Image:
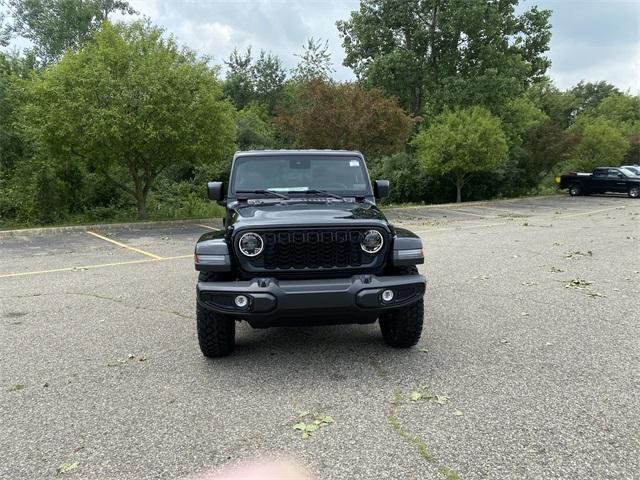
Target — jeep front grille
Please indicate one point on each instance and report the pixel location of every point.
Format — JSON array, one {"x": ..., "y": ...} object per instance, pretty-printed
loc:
[{"x": 316, "y": 249}]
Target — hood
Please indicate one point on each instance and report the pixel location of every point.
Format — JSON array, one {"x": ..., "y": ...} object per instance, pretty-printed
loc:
[{"x": 325, "y": 213}]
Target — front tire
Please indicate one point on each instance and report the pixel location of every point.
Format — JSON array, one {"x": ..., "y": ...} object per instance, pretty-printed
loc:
[
  {"x": 634, "y": 191},
  {"x": 402, "y": 327},
  {"x": 575, "y": 190},
  {"x": 216, "y": 332}
]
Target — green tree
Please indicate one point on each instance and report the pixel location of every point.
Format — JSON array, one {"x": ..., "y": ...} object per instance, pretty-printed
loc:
[
  {"x": 520, "y": 118},
  {"x": 446, "y": 53},
  {"x": 261, "y": 81},
  {"x": 4, "y": 31},
  {"x": 131, "y": 102},
  {"x": 344, "y": 116},
  {"x": 11, "y": 142},
  {"x": 254, "y": 129},
  {"x": 549, "y": 145},
  {"x": 588, "y": 95},
  {"x": 622, "y": 109},
  {"x": 315, "y": 62},
  {"x": 268, "y": 80},
  {"x": 55, "y": 26},
  {"x": 409, "y": 182},
  {"x": 238, "y": 85},
  {"x": 559, "y": 105},
  {"x": 633, "y": 153},
  {"x": 462, "y": 143},
  {"x": 602, "y": 144}
]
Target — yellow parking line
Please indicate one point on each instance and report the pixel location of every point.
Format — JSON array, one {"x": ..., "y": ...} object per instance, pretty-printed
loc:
[
  {"x": 528, "y": 219},
  {"x": 504, "y": 210},
  {"x": 124, "y": 246},
  {"x": 206, "y": 226},
  {"x": 459, "y": 210},
  {"x": 89, "y": 267},
  {"x": 465, "y": 227},
  {"x": 590, "y": 212}
]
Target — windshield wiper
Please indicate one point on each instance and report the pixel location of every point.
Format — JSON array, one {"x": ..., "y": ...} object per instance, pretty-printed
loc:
[
  {"x": 320, "y": 192},
  {"x": 265, "y": 192}
]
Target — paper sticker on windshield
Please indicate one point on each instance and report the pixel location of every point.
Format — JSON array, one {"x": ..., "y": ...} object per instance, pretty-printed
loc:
[{"x": 354, "y": 163}]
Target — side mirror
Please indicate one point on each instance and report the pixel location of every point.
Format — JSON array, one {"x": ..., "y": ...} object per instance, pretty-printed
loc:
[
  {"x": 381, "y": 188},
  {"x": 215, "y": 191}
]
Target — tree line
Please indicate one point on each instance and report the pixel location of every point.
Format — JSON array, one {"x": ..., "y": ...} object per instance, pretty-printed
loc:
[{"x": 103, "y": 121}]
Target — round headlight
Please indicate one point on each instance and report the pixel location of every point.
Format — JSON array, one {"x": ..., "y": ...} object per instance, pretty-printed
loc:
[
  {"x": 372, "y": 241},
  {"x": 250, "y": 244}
]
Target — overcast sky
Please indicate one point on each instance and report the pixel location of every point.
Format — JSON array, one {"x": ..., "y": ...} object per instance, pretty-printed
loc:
[{"x": 592, "y": 39}]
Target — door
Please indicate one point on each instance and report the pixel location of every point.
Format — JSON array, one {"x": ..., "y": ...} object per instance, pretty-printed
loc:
[
  {"x": 599, "y": 182},
  {"x": 617, "y": 180}
]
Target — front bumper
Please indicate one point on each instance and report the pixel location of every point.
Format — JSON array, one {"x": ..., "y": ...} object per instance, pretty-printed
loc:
[{"x": 357, "y": 299}]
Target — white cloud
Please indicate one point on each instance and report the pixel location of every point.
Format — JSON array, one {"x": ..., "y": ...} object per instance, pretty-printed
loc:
[
  {"x": 216, "y": 27},
  {"x": 594, "y": 40},
  {"x": 622, "y": 70},
  {"x": 210, "y": 38}
]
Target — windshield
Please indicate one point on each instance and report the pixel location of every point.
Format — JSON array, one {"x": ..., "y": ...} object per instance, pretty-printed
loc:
[
  {"x": 341, "y": 174},
  {"x": 631, "y": 171}
]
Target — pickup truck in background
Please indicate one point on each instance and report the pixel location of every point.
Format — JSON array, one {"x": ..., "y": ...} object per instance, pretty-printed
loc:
[{"x": 602, "y": 180}]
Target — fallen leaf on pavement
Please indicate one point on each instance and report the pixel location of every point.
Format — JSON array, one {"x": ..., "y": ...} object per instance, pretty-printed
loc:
[
  {"x": 415, "y": 396},
  {"x": 576, "y": 254},
  {"x": 313, "y": 422},
  {"x": 66, "y": 468},
  {"x": 578, "y": 283}
]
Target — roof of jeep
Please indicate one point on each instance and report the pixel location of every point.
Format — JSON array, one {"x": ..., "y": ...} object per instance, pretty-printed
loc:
[{"x": 269, "y": 153}]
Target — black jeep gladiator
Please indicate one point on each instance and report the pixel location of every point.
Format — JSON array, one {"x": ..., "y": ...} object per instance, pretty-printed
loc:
[
  {"x": 305, "y": 244},
  {"x": 602, "y": 180}
]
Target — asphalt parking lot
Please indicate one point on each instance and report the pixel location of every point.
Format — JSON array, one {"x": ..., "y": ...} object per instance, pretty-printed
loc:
[{"x": 529, "y": 365}]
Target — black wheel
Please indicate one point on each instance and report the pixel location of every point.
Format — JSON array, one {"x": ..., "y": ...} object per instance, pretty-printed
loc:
[
  {"x": 402, "y": 327},
  {"x": 575, "y": 189},
  {"x": 216, "y": 332},
  {"x": 634, "y": 191}
]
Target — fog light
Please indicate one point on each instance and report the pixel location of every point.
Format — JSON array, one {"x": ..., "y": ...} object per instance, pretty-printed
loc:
[
  {"x": 241, "y": 301},
  {"x": 387, "y": 296}
]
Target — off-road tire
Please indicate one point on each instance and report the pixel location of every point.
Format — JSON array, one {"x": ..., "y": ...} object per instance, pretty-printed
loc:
[
  {"x": 216, "y": 332},
  {"x": 575, "y": 189},
  {"x": 634, "y": 191},
  {"x": 402, "y": 327}
]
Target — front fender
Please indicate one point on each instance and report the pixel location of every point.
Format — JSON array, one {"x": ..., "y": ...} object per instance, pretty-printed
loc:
[
  {"x": 407, "y": 248},
  {"x": 212, "y": 253}
]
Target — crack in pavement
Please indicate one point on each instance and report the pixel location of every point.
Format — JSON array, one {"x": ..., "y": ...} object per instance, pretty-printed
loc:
[
  {"x": 102, "y": 297},
  {"x": 394, "y": 421},
  {"x": 123, "y": 303},
  {"x": 27, "y": 296},
  {"x": 404, "y": 433}
]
